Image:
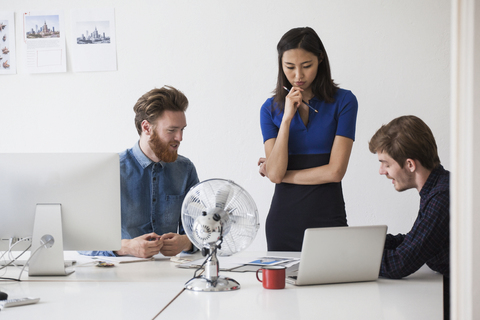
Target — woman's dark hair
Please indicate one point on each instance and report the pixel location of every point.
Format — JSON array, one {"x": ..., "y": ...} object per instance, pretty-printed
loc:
[{"x": 307, "y": 39}]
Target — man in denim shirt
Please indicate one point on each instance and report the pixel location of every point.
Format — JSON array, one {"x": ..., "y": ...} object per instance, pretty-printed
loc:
[{"x": 155, "y": 179}]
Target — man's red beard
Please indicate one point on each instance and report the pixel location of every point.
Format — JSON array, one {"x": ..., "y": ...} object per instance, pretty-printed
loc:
[{"x": 161, "y": 149}]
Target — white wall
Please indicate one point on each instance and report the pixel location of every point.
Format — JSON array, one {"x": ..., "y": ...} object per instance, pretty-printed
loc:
[
  {"x": 394, "y": 55},
  {"x": 465, "y": 186}
]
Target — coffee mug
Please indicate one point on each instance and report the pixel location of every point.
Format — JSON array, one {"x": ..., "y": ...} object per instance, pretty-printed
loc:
[{"x": 273, "y": 277}]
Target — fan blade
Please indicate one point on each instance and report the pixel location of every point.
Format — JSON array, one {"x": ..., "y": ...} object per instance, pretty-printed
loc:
[
  {"x": 233, "y": 198},
  {"x": 194, "y": 209},
  {"x": 221, "y": 197}
]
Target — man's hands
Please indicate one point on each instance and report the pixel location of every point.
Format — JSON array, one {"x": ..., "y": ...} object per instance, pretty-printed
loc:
[
  {"x": 174, "y": 243},
  {"x": 144, "y": 246},
  {"x": 148, "y": 245}
]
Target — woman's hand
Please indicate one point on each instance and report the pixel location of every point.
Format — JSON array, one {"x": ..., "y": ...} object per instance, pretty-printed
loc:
[
  {"x": 334, "y": 171},
  {"x": 262, "y": 167},
  {"x": 293, "y": 101},
  {"x": 276, "y": 149}
]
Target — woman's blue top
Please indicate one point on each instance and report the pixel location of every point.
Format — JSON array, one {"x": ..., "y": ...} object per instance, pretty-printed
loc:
[
  {"x": 294, "y": 207},
  {"x": 337, "y": 118}
]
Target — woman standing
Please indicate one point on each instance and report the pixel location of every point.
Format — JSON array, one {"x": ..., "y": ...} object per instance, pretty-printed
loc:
[{"x": 308, "y": 129}]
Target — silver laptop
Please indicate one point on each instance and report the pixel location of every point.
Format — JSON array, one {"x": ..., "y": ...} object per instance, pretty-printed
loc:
[{"x": 339, "y": 254}]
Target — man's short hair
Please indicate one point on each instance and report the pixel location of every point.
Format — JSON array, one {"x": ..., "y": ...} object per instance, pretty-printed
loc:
[
  {"x": 406, "y": 137},
  {"x": 152, "y": 104}
]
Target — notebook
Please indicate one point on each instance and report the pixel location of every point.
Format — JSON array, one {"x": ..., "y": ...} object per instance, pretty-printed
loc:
[{"x": 339, "y": 254}]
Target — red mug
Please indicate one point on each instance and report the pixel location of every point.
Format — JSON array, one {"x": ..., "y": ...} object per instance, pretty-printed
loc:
[{"x": 273, "y": 277}]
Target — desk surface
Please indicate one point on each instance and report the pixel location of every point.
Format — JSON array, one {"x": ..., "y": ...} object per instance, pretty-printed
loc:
[{"x": 141, "y": 290}]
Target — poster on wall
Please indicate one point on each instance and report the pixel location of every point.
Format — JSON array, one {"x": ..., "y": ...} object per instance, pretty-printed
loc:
[
  {"x": 8, "y": 63},
  {"x": 44, "y": 37},
  {"x": 94, "y": 46}
]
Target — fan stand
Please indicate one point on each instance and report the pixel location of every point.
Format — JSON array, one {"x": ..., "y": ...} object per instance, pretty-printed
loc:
[{"x": 211, "y": 281}]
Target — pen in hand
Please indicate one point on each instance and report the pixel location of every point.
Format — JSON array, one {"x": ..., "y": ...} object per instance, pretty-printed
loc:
[{"x": 304, "y": 102}]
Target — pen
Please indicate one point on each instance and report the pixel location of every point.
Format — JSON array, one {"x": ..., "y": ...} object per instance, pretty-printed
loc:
[{"x": 304, "y": 102}]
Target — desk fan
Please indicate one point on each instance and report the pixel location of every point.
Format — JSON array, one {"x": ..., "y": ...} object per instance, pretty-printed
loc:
[{"x": 220, "y": 217}]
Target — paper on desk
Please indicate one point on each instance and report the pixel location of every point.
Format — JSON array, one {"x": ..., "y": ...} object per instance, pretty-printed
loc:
[
  {"x": 273, "y": 261},
  {"x": 225, "y": 263},
  {"x": 231, "y": 263},
  {"x": 122, "y": 259}
]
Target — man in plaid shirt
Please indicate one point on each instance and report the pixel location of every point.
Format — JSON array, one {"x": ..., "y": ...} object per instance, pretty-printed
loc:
[{"x": 408, "y": 156}]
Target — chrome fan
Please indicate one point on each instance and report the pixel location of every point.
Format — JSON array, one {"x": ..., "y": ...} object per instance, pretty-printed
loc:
[{"x": 219, "y": 217}]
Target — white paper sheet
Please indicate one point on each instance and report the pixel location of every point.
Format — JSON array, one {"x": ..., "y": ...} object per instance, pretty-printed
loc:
[
  {"x": 44, "y": 38},
  {"x": 8, "y": 64},
  {"x": 94, "y": 44},
  {"x": 229, "y": 263},
  {"x": 121, "y": 259}
]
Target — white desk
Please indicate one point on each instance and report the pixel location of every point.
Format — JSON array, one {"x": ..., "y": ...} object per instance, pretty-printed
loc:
[{"x": 141, "y": 290}]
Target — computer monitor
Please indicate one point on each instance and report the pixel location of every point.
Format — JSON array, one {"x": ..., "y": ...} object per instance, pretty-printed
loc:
[{"x": 61, "y": 201}]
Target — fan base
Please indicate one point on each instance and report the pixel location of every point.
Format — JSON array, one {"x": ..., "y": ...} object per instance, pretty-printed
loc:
[{"x": 203, "y": 285}]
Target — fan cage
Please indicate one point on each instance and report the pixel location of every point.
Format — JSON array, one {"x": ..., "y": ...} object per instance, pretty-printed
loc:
[{"x": 242, "y": 224}]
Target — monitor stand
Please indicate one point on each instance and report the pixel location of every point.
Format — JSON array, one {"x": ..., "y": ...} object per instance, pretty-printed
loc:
[{"x": 47, "y": 242}]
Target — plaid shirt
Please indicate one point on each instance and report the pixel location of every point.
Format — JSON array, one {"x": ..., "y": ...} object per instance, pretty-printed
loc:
[{"x": 429, "y": 240}]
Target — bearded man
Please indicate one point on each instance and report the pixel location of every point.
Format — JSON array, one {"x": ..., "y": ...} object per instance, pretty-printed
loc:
[{"x": 155, "y": 179}]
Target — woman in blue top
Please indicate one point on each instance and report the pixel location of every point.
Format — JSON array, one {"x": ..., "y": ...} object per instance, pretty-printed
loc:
[{"x": 307, "y": 147}]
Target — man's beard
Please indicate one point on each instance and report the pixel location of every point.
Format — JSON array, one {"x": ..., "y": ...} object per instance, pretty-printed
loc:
[{"x": 161, "y": 149}]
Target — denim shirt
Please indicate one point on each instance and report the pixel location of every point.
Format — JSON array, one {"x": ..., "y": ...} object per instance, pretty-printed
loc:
[{"x": 152, "y": 194}]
